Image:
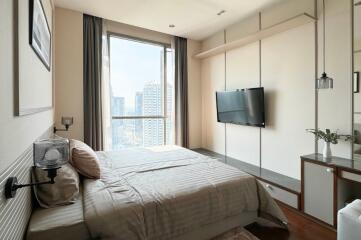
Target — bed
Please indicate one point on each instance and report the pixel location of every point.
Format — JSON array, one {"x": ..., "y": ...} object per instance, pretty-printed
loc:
[{"x": 167, "y": 192}]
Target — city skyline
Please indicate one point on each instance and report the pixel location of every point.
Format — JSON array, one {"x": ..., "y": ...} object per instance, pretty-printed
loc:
[
  {"x": 143, "y": 132},
  {"x": 131, "y": 110},
  {"x": 137, "y": 89}
]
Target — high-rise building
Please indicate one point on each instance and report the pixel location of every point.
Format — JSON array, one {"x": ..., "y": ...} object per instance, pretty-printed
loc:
[
  {"x": 118, "y": 109},
  {"x": 138, "y": 122},
  {"x": 118, "y": 106},
  {"x": 170, "y": 115},
  {"x": 153, "y": 129},
  {"x": 139, "y": 103}
]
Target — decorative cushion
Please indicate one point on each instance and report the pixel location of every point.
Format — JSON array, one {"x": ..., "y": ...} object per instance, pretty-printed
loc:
[
  {"x": 84, "y": 159},
  {"x": 64, "y": 191}
]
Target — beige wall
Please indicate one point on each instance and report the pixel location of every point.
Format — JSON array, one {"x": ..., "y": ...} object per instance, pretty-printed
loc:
[
  {"x": 334, "y": 107},
  {"x": 137, "y": 32},
  {"x": 288, "y": 79},
  {"x": 212, "y": 80},
  {"x": 243, "y": 72},
  {"x": 30, "y": 66},
  {"x": 17, "y": 133},
  {"x": 195, "y": 98},
  {"x": 287, "y": 65},
  {"x": 69, "y": 71}
]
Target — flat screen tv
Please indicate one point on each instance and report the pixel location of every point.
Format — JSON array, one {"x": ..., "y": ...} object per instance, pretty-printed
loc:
[{"x": 244, "y": 107}]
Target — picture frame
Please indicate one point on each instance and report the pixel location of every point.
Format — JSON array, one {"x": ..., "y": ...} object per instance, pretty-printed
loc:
[
  {"x": 33, "y": 80},
  {"x": 39, "y": 32},
  {"x": 356, "y": 82}
]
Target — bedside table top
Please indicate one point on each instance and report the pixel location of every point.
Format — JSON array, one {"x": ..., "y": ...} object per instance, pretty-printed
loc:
[{"x": 334, "y": 161}]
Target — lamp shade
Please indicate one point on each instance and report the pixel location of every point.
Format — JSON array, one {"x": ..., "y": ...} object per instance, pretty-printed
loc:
[
  {"x": 51, "y": 153},
  {"x": 67, "y": 121},
  {"x": 324, "y": 82}
]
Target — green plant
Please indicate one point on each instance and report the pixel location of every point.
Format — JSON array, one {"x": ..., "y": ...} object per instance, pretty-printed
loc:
[{"x": 330, "y": 137}]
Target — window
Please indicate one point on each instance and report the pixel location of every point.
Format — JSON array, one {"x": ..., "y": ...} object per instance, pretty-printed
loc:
[{"x": 141, "y": 85}]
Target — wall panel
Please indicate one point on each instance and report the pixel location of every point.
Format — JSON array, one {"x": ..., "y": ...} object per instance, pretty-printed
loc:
[
  {"x": 243, "y": 142},
  {"x": 288, "y": 62},
  {"x": 15, "y": 213},
  {"x": 194, "y": 96},
  {"x": 288, "y": 66},
  {"x": 16, "y": 132},
  {"x": 69, "y": 71},
  {"x": 334, "y": 106},
  {"x": 213, "y": 76}
]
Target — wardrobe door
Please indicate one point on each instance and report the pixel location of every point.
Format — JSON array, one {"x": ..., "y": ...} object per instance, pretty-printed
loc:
[{"x": 318, "y": 191}]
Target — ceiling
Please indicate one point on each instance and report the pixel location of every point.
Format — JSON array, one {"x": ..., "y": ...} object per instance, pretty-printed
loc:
[{"x": 194, "y": 19}]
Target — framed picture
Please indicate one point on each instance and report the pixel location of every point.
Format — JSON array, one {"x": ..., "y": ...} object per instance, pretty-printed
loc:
[
  {"x": 39, "y": 32},
  {"x": 356, "y": 82},
  {"x": 33, "y": 76}
]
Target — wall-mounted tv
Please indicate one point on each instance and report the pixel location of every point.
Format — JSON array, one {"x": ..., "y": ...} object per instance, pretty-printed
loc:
[{"x": 243, "y": 106}]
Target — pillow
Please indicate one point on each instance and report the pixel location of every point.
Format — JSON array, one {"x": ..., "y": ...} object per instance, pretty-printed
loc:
[
  {"x": 64, "y": 191},
  {"x": 84, "y": 159}
]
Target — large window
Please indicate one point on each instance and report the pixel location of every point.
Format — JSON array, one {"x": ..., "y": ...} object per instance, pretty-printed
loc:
[{"x": 141, "y": 85}]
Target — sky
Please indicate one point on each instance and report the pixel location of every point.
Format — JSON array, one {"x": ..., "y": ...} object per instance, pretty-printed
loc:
[{"x": 132, "y": 64}]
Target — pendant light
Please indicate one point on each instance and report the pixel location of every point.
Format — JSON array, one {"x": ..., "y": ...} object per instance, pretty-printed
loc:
[{"x": 324, "y": 82}]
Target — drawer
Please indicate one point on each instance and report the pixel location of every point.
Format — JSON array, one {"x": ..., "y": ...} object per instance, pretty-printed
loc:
[
  {"x": 350, "y": 176},
  {"x": 281, "y": 195}
]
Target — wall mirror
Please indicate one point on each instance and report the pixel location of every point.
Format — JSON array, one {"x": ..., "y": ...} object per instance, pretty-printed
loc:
[{"x": 356, "y": 78}]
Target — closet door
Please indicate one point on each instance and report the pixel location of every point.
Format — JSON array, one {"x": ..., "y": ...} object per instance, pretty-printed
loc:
[{"x": 318, "y": 191}]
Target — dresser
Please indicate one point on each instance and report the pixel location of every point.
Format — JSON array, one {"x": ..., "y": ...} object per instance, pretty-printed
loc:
[{"x": 326, "y": 186}]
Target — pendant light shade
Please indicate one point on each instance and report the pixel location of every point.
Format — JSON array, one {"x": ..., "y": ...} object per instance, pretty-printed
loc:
[{"x": 324, "y": 82}]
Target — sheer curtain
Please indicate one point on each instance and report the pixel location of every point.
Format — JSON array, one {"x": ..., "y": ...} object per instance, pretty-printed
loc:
[{"x": 107, "y": 119}]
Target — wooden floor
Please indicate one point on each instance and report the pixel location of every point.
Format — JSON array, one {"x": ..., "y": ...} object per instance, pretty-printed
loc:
[{"x": 300, "y": 228}]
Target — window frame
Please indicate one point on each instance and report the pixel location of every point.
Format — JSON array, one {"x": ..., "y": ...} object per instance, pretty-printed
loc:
[{"x": 164, "y": 81}]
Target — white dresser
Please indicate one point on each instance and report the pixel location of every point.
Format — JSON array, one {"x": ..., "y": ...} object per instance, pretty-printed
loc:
[{"x": 327, "y": 185}]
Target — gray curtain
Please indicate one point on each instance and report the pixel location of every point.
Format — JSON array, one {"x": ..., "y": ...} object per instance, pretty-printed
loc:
[
  {"x": 181, "y": 93},
  {"x": 92, "y": 72}
]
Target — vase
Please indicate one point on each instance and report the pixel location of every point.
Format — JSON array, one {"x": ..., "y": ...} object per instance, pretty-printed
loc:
[{"x": 327, "y": 154}]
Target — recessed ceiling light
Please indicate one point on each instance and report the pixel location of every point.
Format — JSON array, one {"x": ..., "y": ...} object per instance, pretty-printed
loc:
[
  {"x": 221, "y": 12},
  {"x": 171, "y": 25}
]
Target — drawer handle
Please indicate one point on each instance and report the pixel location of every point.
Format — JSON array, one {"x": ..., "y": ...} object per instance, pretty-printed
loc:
[
  {"x": 269, "y": 186},
  {"x": 329, "y": 170}
]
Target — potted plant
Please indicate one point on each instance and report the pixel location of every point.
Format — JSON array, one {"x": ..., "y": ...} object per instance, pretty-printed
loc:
[{"x": 329, "y": 137}]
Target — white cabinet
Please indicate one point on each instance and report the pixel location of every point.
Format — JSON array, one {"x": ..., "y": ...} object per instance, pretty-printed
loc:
[{"x": 319, "y": 191}]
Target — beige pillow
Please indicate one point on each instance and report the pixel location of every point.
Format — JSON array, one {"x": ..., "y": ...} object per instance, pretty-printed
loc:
[
  {"x": 64, "y": 191},
  {"x": 84, "y": 159}
]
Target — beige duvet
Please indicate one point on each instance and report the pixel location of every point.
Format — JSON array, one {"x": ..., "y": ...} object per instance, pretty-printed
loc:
[{"x": 164, "y": 192}]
